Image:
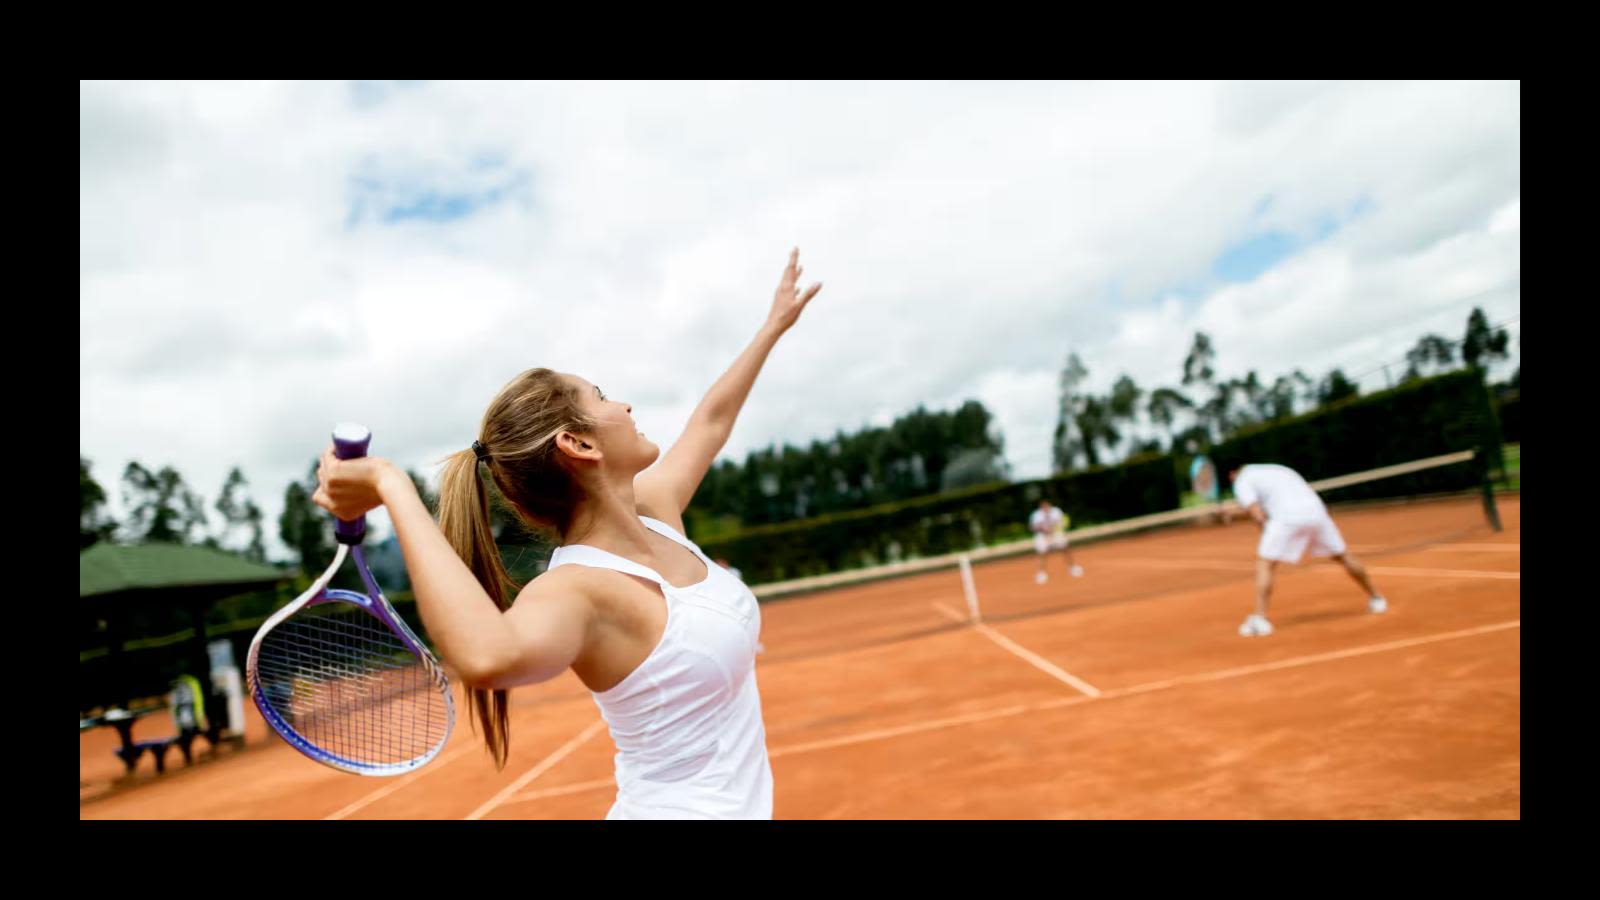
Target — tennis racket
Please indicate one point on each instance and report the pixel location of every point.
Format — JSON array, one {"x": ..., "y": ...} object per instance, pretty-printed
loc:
[
  {"x": 1203, "y": 478},
  {"x": 341, "y": 677}
]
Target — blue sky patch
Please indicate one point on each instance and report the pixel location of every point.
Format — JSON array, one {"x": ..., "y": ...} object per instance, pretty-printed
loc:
[
  {"x": 367, "y": 94},
  {"x": 388, "y": 194},
  {"x": 1246, "y": 260}
]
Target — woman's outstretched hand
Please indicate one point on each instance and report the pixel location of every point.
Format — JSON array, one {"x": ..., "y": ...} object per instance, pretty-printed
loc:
[{"x": 789, "y": 300}]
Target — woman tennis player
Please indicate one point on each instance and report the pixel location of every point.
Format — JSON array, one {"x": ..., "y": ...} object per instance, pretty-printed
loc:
[{"x": 664, "y": 638}]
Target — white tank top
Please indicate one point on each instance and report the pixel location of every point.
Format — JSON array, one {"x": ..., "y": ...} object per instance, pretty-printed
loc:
[{"x": 687, "y": 722}]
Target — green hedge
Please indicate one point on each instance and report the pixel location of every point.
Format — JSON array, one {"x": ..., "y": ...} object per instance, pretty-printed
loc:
[
  {"x": 929, "y": 526},
  {"x": 1424, "y": 418}
]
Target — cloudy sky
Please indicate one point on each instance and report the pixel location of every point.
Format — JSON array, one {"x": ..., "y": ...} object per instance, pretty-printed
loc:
[{"x": 260, "y": 260}]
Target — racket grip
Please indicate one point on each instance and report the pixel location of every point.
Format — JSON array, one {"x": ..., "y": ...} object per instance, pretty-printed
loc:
[{"x": 350, "y": 441}]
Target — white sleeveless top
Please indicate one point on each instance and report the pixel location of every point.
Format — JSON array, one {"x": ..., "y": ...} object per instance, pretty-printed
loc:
[{"x": 687, "y": 722}]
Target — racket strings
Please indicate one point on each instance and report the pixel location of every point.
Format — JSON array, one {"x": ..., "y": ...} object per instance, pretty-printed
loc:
[{"x": 348, "y": 685}]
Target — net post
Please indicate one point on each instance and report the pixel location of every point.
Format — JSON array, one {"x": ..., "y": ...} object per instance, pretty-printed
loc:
[
  {"x": 1489, "y": 435},
  {"x": 969, "y": 588},
  {"x": 1488, "y": 457},
  {"x": 1491, "y": 509}
]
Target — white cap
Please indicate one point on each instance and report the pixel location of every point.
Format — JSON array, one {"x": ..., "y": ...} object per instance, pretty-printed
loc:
[{"x": 351, "y": 431}]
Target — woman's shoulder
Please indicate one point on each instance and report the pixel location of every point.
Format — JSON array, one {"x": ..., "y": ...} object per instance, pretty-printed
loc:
[
  {"x": 570, "y": 581},
  {"x": 597, "y": 594}
]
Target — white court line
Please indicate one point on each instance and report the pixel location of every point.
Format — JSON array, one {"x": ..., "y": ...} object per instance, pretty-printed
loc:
[
  {"x": 1444, "y": 573},
  {"x": 1251, "y": 567},
  {"x": 1308, "y": 660},
  {"x": 1441, "y": 548},
  {"x": 1151, "y": 687},
  {"x": 1145, "y": 688},
  {"x": 399, "y": 783},
  {"x": 543, "y": 766},
  {"x": 1038, "y": 662}
]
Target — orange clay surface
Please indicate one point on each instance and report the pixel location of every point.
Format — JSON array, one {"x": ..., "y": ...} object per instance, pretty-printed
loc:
[{"x": 1126, "y": 693}]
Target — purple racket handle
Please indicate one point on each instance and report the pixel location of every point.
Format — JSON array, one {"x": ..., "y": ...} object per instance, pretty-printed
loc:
[{"x": 350, "y": 442}]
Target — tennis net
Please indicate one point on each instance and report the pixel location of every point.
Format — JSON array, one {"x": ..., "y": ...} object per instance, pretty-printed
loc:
[{"x": 1381, "y": 512}]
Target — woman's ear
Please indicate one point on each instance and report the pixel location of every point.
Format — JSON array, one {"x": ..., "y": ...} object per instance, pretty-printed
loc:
[{"x": 577, "y": 446}]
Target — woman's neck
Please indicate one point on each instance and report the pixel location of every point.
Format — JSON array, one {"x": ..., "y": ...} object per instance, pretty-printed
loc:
[{"x": 608, "y": 518}]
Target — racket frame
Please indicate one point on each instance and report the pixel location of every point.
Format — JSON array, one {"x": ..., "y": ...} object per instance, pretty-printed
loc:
[{"x": 374, "y": 604}]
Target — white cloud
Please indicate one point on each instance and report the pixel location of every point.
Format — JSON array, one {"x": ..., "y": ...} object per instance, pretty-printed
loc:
[
  {"x": 969, "y": 236},
  {"x": 1507, "y": 218}
]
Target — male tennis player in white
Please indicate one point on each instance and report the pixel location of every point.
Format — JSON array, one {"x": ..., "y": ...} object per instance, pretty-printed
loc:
[
  {"x": 664, "y": 638},
  {"x": 1293, "y": 520},
  {"x": 1049, "y": 526}
]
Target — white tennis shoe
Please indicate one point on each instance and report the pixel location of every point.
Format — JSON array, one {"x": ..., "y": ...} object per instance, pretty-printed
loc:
[
  {"x": 1077, "y": 571},
  {"x": 1377, "y": 605},
  {"x": 1255, "y": 626},
  {"x": 1040, "y": 578}
]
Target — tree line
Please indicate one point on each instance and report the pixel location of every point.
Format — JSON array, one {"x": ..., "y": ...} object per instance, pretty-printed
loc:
[
  {"x": 921, "y": 452},
  {"x": 1201, "y": 409}
]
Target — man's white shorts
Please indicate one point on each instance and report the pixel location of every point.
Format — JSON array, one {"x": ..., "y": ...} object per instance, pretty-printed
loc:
[
  {"x": 1289, "y": 541},
  {"x": 1044, "y": 544}
]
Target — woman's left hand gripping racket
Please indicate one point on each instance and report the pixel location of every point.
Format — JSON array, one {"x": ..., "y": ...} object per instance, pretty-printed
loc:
[{"x": 340, "y": 675}]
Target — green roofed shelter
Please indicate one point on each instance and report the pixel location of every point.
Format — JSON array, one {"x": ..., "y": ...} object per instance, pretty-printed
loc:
[
  {"x": 115, "y": 580},
  {"x": 125, "y": 568}
]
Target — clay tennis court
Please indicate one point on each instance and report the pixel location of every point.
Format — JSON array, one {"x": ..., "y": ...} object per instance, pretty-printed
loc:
[{"x": 1124, "y": 694}]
